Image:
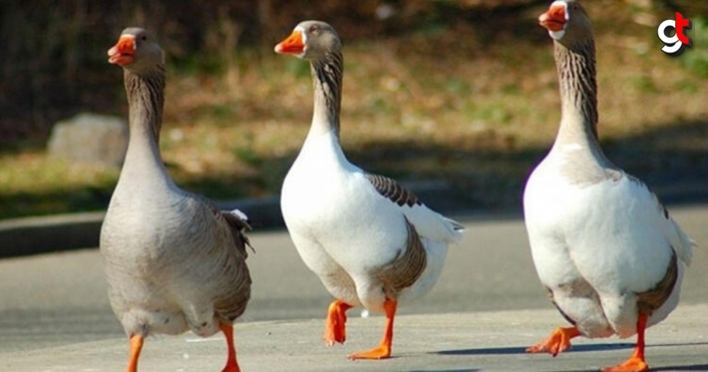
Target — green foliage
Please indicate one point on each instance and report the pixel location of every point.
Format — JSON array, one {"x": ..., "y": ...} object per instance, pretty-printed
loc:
[
  {"x": 644, "y": 84},
  {"x": 695, "y": 59},
  {"x": 248, "y": 156},
  {"x": 199, "y": 64},
  {"x": 458, "y": 86},
  {"x": 34, "y": 185},
  {"x": 447, "y": 95},
  {"x": 494, "y": 113},
  {"x": 221, "y": 114},
  {"x": 298, "y": 67},
  {"x": 380, "y": 105}
]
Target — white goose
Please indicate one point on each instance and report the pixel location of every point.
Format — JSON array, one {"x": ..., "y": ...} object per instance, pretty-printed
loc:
[
  {"x": 173, "y": 261},
  {"x": 608, "y": 252},
  {"x": 371, "y": 242}
]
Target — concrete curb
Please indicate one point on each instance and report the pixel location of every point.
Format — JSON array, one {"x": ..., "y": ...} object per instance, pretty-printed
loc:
[{"x": 34, "y": 235}]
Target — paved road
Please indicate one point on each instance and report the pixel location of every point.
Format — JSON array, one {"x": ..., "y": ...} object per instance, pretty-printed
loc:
[{"x": 50, "y": 304}]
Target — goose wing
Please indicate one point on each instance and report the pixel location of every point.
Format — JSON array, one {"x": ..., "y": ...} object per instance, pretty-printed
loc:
[{"x": 427, "y": 222}]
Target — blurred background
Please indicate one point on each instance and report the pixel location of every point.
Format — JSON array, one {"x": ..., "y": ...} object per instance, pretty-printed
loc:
[{"x": 457, "y": 94}]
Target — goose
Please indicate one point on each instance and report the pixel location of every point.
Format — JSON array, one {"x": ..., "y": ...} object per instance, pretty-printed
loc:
[
  {"x": 174, "y": 262},
  {"x": 605, "y": 248},
  {"x": 372, "y": 242}
]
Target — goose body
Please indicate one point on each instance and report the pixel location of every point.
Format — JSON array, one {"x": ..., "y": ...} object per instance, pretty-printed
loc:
[
  {"x": 371, "y": 242},
  {"x": 608, "y": 252},
  {"x": 173, "y": 261},
  {"x": 344, "y": 228},
  {"x": 599, "y": 245}
]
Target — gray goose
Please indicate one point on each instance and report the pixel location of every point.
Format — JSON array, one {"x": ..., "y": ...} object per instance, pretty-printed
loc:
[
  {"x": 371, "y": 242},
  {"x": 173, "y": 261},
  {"x": 607, "y": 251}
]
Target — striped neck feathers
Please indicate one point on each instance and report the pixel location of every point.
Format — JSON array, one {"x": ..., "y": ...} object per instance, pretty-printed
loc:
[
  {"x": 146, "y": 96},
  {"x": 327, "y": 81},
  {"x": 578, "y": 87}
]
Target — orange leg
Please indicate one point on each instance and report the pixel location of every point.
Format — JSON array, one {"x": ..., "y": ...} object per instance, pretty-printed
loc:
[
  {"x": 383, "y": 351},
  {"x": 335, "y": 326},
  {"x": 558, "y": 342},
  {"x": 136, "y": 345},
  {"x": 231, "y": 364},
  {"x": 636, "y": 362}
]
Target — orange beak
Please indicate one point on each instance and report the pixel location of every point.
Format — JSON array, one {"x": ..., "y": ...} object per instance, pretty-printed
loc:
[
  {"x": 123, "y": 53},
  {"x": 292, "y": 45},
  {"x": 554, "y": 19}
]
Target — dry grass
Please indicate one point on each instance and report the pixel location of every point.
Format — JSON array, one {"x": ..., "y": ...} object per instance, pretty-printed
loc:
[
  {"x": 464, "y": 103},
  {"x": 32, "y": 184}
]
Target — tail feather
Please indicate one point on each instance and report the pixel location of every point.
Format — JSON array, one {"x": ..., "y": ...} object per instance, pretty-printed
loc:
[
  {"x": 682, "y": 244},
  {"x": 238, "y": 222},
  {"x": 456, "y": 226}
]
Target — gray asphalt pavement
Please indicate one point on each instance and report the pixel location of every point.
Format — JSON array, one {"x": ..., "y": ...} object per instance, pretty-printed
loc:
[{"x": 487, "y": 306}]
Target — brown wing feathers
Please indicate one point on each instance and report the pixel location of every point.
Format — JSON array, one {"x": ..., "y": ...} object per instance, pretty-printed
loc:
[
  {"x": 393, "y": 190},
  {"x": 407, "y": 267}
]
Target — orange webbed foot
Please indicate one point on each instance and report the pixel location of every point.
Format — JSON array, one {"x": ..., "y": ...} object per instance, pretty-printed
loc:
[
  {"x": 636, "y": 362},
  {"x": 633, "y": 364},
  {"x": 558, "y": 342},
  {"x": 383, "y": 351},
  {"x": 335, "y": 326},
  {"x": 380, "y": 352}
]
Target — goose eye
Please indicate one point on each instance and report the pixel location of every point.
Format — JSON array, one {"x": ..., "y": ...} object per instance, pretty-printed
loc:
[
  {"x": 143, "y": 38},
  {"x": 314, "y": 28}
]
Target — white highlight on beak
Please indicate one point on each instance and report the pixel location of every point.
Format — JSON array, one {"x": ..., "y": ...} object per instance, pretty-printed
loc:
[
  {"x": 304, "y": 41},
  {"x": 557, "y": 35},
  {"x": 564, "y": 4}
]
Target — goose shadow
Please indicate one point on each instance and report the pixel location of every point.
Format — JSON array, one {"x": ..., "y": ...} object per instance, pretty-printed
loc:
[
  {"x": 696, "y": 367},
  {"x": 692, "y": 367},
  {"x": 679, "y": 344},
  {"x": 522, "y": 350},
  {"x": 576, "y": 348}
]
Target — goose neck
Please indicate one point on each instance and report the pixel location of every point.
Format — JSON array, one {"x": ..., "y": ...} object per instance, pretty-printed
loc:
[
  {"x": 578, "y": 90},
  {"x": 145, "y": 100},
  {"x": 327, "y": 81}
]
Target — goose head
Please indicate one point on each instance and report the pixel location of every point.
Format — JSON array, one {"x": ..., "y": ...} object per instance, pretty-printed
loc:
[
  {"x": 136, "y": 51},
  {"x": 566, "y": 21},
  {"x": 311, "y": 40}
]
